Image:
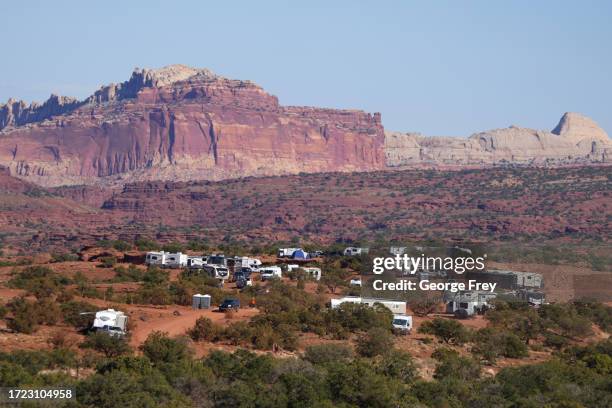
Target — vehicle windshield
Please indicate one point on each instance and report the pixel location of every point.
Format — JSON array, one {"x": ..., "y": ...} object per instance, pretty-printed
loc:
[{"x": 400, "y": 322}]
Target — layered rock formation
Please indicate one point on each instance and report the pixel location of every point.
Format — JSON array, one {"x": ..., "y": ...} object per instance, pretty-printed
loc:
[
  {"x": 576, "y": 139},
  {"x": 183, "y": 123}
]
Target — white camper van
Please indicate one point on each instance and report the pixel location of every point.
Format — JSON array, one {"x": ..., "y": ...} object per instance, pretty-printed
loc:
[
  {"x": 111, "y": 321},
  {"x": 402, "y": 324}
]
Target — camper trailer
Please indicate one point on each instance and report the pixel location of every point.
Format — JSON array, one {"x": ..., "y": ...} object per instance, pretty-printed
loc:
[
  {"x": 270, "y": 272},
  {"x": 111, "y": 321},
  {"x": 468, "y": 303},
  {"x": 175, "y": 260},
  {"x": 246, "y": 262},
  {"x": 166, "y": 259},
  {"x": 507, "y": 279},
  {"x": 395, "y": 306},
  {"x": 156, "y": 258},
  {"x": 352, "y": 251}
]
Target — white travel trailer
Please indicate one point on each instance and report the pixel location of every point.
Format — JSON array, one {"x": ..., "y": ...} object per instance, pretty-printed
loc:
[
  {"x": 287, "y": 252},
  {"x": 156, "y": 258},
  {"x": 395, "y": 306},
  {"x": 314, "y": 273},
  {"x": 270, "y": 272},
  {"x": 196, "y": 262},
  {"x": 246, "y": 262},
  {"x": 176, "y": 260},
  {"x": 291, "y": 267},
  {"x": 471, "y": 301},
  {"x": 166, "y": 259},
  {"x": 111, "y": 321},
  {"x": 352, "y": 251}
]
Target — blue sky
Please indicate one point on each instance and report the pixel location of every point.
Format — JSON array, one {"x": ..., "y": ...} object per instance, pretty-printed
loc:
[{"x": 438, "y": 67}]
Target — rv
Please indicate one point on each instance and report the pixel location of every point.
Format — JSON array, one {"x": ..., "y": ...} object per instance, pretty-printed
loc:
[
  {"x": 217, "y": 259},
  {"x": 111, "y": 321},
  {"x": 287, "y": 252},
  {"x": 507, "y": 279},
  {"x": 270, "y": 272},
  {"x": 396, "y": 307},
  {"x": 468, "y": 303},
  {"x": 246, "y": 262},
  {"x": 402, "y": 324},
  {"x": 155, "y": 258},
  {"x": 352, "y": 251},
  {"x": 166, "y": 259},
  {"x": 533, "y": 297},
  {"x": 177, "y": 260},
  {"x": 397, "y": 250}
]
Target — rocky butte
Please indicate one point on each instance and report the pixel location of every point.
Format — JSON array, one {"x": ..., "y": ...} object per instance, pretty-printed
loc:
[
  {"x": 577, "y": 139},
  {"x": 181, "y": 123}
]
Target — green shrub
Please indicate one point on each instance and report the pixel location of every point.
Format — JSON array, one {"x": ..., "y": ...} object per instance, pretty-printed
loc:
[
  {"x": 110, "y": 346},
  {"x": 160, "y": 348},
  {"x": 491, "y": 344},
  {"x": 205, "y": 329},
  {"x": 447, "y": 330},
  {"x": 146, "y": 244},
  {"x": 377, "y": 341},
  {"x": 328, "y": 353},
  {"x": 108, "y": 261}
]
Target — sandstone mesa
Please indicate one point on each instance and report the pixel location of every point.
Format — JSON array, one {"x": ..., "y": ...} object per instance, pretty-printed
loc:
[{"x": 182, "y": 123}]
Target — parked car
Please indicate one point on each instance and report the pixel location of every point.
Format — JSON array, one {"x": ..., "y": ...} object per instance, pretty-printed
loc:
[
  {"x": 243, "y": 283},
  {"x": 229, "y": 304},
  {"x": 355, "y": 282}
]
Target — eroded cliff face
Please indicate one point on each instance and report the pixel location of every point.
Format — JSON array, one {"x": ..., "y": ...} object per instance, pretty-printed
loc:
[
  {"x": 181, "y": 123},
  {"x": 576, "y": 139}
]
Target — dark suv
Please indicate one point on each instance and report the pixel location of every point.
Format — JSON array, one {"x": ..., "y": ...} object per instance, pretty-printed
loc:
[{"x": 229, "y": 304}]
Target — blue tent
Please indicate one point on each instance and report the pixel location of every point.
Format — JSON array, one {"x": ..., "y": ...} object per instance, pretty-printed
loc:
[{"x": 299, "y": 254}]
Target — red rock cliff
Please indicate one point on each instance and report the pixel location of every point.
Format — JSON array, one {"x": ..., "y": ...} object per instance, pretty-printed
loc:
[{"x": 181, "y": 123}]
